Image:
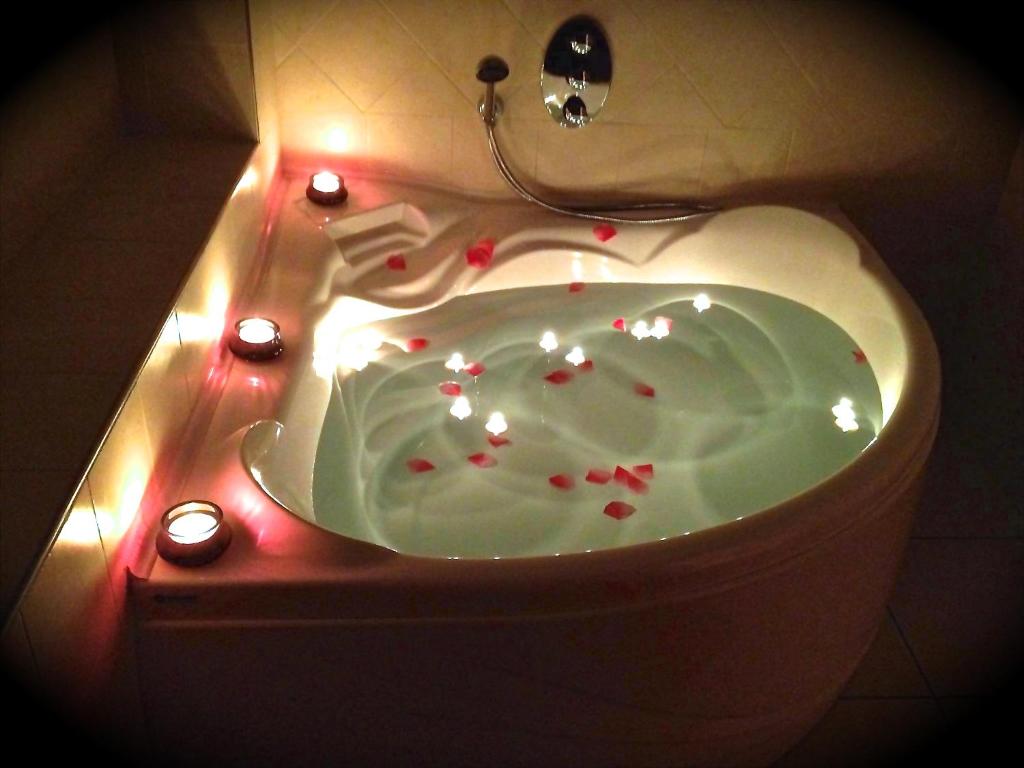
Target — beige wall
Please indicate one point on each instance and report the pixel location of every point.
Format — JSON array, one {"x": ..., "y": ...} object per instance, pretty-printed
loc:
[
  {"x": 765, "y": 99},
  {"x": 55, "y": 130},
  {"x": 708, "y": 97},
  {"x": 69, "y": 635},
  {"x": 185, "y": 68}
]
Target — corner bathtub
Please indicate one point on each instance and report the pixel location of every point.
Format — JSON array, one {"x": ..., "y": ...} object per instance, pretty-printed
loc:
[{"x": 718, "y": 648}]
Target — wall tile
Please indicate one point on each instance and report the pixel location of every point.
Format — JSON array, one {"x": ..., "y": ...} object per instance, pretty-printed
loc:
[
  {"x": 735, "y": 158},
  {"x": 202, "y": 90},
  {"x": 32, "y": 501},
  {"x": 303, "y": 87},
  {"x": 662, "y": 160},
  {"x": 416, "y": 147},
  {"x": 164, "y": 389},
  {"x": 64, "y": 606},
  {"x": 316, "y": 137},
  {"x": 294, "y": 18},
  {"x": 667, "y": 99},
  {"x": 472, "y": 165},
  {"x": 59, "y": 126},
  {"x": 733, "y": 60},
  {"x": 809, "y": 99},
  {"x": 60, "y": 417},
  {"x": 362, "y": 48},
  {"x": 571, "y": 160},
  {"x": 188, "y": 68},
  {"x": 118, "y": 481},
  {"x": 429, "y": 92},
  {"x": 16, "y": 653},
  {"x": 186, "y": 22},
  {"x": 456, "y": 35}
]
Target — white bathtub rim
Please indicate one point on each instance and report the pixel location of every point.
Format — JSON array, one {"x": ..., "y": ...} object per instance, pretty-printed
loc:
[{"x": 900, "y": 449}]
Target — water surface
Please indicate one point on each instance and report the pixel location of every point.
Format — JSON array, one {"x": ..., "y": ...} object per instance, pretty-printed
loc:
[{"x": 739, "y": 406}]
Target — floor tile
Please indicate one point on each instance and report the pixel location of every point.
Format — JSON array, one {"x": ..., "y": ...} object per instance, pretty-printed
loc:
[
  {"x": 960, "y": 604},
  {"x": 16, "y": 654},
  {"x": 866, "y": 732},
  {"x": 967, "y": 492},
  {"x": 888, "y": 670}
]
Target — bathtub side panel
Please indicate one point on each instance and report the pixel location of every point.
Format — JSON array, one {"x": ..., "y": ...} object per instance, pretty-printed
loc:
[{"x": 732, "y": 677}]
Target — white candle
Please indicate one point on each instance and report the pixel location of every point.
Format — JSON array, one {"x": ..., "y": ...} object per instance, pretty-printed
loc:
[
  {"x": 496, "y": 424},
  {"x": 576, "y": 357},
  {"x": 661, "y": 329},
  {"x": 460, "y": 408},
  {"x": 325, "y": 181},
  {"x": 256, "y": 331},
  {"x": 701, "y": 302},
  {"x": 846, "y": 419},
  {"x": 640, "y": 330},
  {"x": 455, "y": 363},
  {"x": 548, "y": 342},
  {"x": 192, "y": 527}
]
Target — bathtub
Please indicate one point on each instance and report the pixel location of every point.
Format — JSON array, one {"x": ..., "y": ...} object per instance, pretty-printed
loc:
[{"x": 720, "y": 647}]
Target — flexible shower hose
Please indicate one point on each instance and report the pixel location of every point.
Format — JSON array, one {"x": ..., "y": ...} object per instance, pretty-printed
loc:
[{"x": 607, "y": 213}]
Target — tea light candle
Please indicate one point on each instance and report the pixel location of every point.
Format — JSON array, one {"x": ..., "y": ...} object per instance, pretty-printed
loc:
[
  {"x": 455, "y": 363},
  {"x": 496, "y": 424},
  {"x": 193, "y": 527},
  {"x": 576, "y": 356},
  {"x": 326, "y": 188},
  {"x": 640, "y": 330},
  {"x": 461, "y": 408},
  {"x": 193, "y": 533},
  {"x": 548, "y": 341},
  {"x": 256, "y": 339}
]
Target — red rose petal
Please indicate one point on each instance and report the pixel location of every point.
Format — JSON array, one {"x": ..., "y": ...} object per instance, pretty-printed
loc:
[
  {"x": 482, "y": 460},
  {"x": 576, "y": 287},
  {"x": 619, "y": 324},
  {"x": 497, "y": 441},
  {"x": 486, "y": 244},
  {"x": 604, "y": 232},
  {"x": 450, "y": 388},
  {"x": 478, "y": 257},
  {"x": 636, "y": 485},
  {"x": 859, "y": 356},
  {"x": 599, "y": 476},
  {"x": 562, "y": 482},
  {"x": 646, "y": 471},
  {"x": 622, "y": 476},
  {"x": 644, "y": 390},
  {"x": 396, "y": 262},
  {"x": 619, "y": 509},
  {"x": 414, "y": 345},
  {"x": 559, "y": 377},
  {"x": 585, "y": 366},
  {"x": 474, "y": 369},
  {"x": 419, "y": 465}
]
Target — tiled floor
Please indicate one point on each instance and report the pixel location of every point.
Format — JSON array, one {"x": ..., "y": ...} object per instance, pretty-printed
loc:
[{"x": 943, "y": 676}]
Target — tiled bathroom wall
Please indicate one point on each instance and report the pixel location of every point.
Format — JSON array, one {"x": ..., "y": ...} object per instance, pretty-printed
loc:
[
  {"x": 101, "y": 326},
  {"x": 51, "y": 140},
  {"x": 718, "y": 98},
  {"x": 766, "y": 101},
  {"x": 70, "y": 635},
  {"x": 185, "y": 68}
]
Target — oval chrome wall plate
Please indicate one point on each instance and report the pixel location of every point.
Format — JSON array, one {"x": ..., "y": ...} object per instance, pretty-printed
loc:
[{"x": 577, "y": 72}]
